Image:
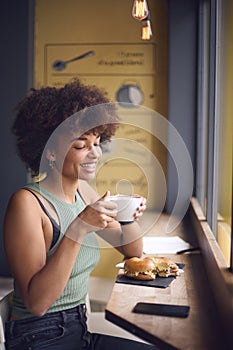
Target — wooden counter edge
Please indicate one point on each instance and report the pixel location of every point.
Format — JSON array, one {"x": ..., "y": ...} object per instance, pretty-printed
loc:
[
  {"x": 219, "y": 277},
  {"x": 138, "y": 331}
]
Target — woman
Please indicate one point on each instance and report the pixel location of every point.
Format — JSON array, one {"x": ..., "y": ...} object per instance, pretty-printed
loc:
[{"x": 51, "y": 224}]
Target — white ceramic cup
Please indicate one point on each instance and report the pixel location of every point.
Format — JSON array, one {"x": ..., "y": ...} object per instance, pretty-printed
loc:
[{"x": 126, "y": 206}]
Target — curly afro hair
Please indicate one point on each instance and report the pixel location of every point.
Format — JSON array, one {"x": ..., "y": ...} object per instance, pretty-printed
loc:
[{"x": 41, "y": 112}]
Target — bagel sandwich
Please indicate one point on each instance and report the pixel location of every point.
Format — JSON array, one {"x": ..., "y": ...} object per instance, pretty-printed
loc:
[
  {"x": 140, "y": 269},
  {"x": 165, "y": 267}
]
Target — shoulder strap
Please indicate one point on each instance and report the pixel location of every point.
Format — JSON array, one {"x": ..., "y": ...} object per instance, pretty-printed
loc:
[
  {"x": 56, "y": 229},
  {"x": 39, "y": 201}
]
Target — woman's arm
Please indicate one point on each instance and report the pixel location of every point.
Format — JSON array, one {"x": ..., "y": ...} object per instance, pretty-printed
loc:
[
  {"x": 127, "y": 239},
  {"x": 26, "y": 233}
]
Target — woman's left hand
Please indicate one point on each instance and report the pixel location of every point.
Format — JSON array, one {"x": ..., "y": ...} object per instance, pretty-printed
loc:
[{"x": 140, "y": 210}]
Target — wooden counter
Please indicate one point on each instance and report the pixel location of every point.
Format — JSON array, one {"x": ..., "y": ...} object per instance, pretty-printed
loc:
[
  {"x": 166, "y": 332},
  {"x": 201, "y": 330}
]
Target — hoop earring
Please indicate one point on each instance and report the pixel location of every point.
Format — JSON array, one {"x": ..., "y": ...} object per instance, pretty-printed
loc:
[{"x": 51, "y": 163}]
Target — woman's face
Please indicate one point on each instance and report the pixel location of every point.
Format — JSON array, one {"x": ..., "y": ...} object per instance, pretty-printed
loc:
[{"x": 81, "y": 159}]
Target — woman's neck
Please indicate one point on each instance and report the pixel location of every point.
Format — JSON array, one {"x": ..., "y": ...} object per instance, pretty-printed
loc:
[{"x": 63, "y": 188}]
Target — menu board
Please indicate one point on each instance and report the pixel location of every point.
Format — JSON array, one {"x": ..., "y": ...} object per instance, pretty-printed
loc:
[
  {"x": 103, "y": 59},
  {"x": 127, "y": 72}
]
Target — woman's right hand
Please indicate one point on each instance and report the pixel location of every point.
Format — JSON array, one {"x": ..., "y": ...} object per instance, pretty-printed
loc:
[{"x": 94, "y": 217}]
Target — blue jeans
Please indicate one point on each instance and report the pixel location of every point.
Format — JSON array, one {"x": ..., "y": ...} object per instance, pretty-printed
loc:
[{"x": 63, "y": 330}]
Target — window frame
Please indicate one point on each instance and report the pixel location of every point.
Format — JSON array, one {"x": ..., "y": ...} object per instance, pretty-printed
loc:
[{"x": 209, "y": 113}]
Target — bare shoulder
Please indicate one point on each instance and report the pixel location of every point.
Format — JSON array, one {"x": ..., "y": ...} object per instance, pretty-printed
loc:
[
  {"x": 22, "y": 207},
  {"x": 87, "y": 192},
  {"x": 20, "y": 198}
]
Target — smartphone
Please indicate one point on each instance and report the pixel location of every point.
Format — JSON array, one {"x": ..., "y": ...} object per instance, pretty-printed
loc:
[{"x": 162, "y": 309}]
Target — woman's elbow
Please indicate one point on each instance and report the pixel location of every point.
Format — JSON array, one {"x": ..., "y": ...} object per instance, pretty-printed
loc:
[
  {"x": 133, "y": 251},
  {"x": 36, "y": 310}
]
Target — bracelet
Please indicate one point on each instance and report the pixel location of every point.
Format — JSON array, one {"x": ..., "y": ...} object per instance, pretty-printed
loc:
[{"x": 125, "y": 222}]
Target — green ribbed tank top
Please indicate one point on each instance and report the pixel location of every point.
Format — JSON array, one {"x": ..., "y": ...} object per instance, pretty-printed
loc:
[{"x": 76, "y": 289}]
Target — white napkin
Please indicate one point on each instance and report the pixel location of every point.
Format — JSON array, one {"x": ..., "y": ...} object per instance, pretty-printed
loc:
[{"x": 164, "y": 245}]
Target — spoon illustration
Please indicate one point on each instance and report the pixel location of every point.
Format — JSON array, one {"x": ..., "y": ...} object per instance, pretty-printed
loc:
[{"x": 61, "y": 65}]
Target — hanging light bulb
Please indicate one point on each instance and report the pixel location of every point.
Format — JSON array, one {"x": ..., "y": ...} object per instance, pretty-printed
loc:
[
  {"x": 146, "y": 28},
  {"x": 140, "y": 9}
]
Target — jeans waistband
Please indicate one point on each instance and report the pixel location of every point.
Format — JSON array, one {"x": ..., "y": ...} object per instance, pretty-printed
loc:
[
  {"x": 80, "y": 309},
  {"x": 17, "y": 326}
]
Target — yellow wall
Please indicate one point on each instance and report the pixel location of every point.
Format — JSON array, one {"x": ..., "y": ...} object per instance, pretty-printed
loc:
[
  {"x": 226, "y": 128},
  {"x": 67, "y": 28}
]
